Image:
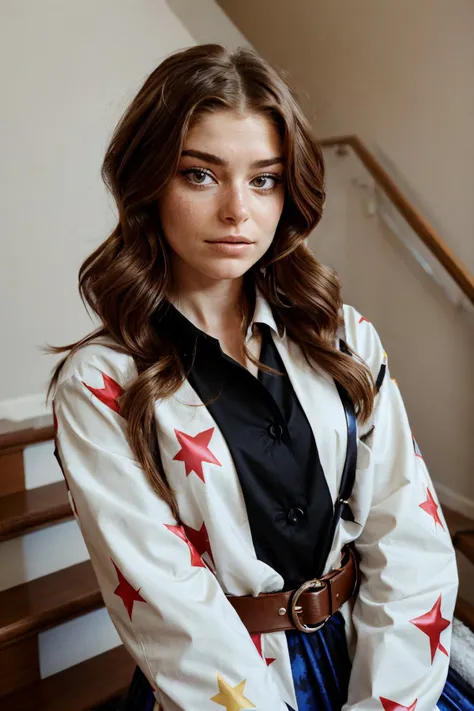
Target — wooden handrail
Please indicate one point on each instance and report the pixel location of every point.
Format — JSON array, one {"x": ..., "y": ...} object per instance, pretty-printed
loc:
[{"x": 423, "y": 229}]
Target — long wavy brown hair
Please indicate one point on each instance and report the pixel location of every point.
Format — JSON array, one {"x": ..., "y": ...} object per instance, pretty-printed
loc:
[{"x": 126, "y": 281}]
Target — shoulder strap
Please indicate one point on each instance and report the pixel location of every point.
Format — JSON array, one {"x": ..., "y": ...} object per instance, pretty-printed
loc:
[
  {"x": 350, "y": 464},
  {"x": 341, "y": 506}
]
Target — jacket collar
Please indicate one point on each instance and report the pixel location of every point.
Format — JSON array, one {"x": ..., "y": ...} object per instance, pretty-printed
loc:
[{"x": 263, "y": 314}]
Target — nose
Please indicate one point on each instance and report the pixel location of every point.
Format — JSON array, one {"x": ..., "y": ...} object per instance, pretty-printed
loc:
[{"x": 234, "y": 209}]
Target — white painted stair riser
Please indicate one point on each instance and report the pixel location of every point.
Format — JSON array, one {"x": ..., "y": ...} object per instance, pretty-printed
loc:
[
  {"x": 75, "y": 641},
  {"x": 49, "y": 549},
  {"x": 40, "y": 553}
]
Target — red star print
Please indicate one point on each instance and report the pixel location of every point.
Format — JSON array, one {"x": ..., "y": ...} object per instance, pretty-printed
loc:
[
  {"x": 127, "y": 592},
  {"x": 194, "y": 451},
  {"x": 257, "y": 640},
  {"x": 196, "y": 560},
  {"x": 200, "y": 540},
  {"x": 431, "y": 508},
  {"x": 362, "y": 319},
  {"x": 109, "y": 393},
  {"x": 433, "y": 624},
  {"x": 393, "y": 706}
]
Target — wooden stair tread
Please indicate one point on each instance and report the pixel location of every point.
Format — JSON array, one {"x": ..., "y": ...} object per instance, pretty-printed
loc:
[
  {"x": 465, "y": 544},
  {"x": 461, "y": 529},
  {"x": 84, "y": 686},
  {"x": 456, "y": 521},
  {"x": 25, "y": 511},
  {"x": 465, "y": 612},
  {"x": 42, "y": 603},
  {"x": 18, "y": 439}
]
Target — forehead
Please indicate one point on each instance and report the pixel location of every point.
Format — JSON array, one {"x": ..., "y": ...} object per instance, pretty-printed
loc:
[{"x": 234, "y": 136}]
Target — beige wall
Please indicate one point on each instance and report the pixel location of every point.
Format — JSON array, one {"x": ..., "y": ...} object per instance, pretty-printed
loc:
[
  {"x": 429, "y": 341},
  {"x": 399, "y": 73}
]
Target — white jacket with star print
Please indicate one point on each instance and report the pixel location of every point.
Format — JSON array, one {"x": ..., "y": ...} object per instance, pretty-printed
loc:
[{"x": 164, "y": 583}]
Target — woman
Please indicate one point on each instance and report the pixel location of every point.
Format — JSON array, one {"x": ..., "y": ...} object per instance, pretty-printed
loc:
[{"x": 231, "y": 430}]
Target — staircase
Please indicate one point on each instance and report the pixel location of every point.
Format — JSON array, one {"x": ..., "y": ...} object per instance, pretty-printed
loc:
[
  {"x": 43, "y": 603},
  {"x": 461, "y": 529},
  {"x": 32, "y": 607}
]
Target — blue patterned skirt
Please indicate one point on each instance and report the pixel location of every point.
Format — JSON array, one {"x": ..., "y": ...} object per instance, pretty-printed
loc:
[{"x": 321, "y": 669}]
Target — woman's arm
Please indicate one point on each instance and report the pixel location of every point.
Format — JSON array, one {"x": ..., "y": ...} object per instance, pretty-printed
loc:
[
  {"x": 404, "y": 609},
  {"x": 167, "y": 606}
]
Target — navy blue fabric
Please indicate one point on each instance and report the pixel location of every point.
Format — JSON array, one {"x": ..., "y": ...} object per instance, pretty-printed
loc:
[{"x": 140, "y": 696}]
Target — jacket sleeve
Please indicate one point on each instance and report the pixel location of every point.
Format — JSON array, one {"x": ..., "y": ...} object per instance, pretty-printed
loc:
[
  {"x": 402, "y": 615},
  {"x": 167, "y": 606}
]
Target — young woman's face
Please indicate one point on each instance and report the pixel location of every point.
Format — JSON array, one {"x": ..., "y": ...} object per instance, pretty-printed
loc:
[{"x": 228, "y": 187}]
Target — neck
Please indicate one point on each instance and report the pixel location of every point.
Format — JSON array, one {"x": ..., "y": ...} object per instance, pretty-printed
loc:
[{"x": 212, "y": 305}]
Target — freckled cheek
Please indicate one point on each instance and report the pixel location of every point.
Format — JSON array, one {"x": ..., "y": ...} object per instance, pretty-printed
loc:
[
  {"x": 180, "y": 213},
  {"x": 197, "y": 200},
  {"x": 269, "y": 215}
]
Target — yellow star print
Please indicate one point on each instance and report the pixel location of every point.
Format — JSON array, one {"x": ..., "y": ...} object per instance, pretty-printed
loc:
[{"x": 232, "y": 697}]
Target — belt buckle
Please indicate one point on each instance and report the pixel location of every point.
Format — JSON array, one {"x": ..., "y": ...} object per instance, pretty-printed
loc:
[{"x": 295, "y": 609}]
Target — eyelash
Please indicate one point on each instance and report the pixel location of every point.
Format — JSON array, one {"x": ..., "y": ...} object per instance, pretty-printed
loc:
[{"x": 193, "y": 171}]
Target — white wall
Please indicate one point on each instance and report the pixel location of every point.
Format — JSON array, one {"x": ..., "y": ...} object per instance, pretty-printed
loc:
[{"x": 67, "y": 71}]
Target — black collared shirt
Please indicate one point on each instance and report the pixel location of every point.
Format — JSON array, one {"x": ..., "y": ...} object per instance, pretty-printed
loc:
[{"x": 286, "y": 494}]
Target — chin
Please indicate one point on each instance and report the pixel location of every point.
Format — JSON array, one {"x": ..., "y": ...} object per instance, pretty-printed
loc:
[{"x": 226, "y": 269}]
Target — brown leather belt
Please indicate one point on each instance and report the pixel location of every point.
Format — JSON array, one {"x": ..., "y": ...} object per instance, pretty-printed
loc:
[{"x": 306, "y": 609}]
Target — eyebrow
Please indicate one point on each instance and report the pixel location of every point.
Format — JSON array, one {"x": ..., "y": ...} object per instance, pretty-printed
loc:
[{"x": 210, "y": 158}]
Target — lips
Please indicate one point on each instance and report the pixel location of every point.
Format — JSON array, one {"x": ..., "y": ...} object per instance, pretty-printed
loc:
[{"x": 231, "y": 239}]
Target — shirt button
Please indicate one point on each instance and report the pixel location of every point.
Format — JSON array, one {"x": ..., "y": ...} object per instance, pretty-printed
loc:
[
  {"x": 275, "y": 430},
  {"x": 295, "y": 515}
]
